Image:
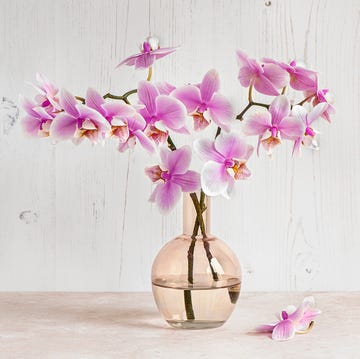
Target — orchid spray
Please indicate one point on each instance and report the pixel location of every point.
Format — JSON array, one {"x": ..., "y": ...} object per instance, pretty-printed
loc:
[{"x": 295, "y": 102}]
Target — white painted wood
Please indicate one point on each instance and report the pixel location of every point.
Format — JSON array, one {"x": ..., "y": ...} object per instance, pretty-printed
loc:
[{"x": 77, "y": 218}]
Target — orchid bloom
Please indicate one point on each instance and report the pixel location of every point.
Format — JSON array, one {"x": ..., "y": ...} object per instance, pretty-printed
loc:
[
  {"x": 126, "y": 123},
  {"x": 150, "y": 52},
  {"x": 160, "y": 111},
  {"x": 37, "y": 121},
  {"x": 266, "y": 78},
  {"x": 78, "y": 121},
  {"x": 323, "y": 96},
  {"x": 276, "y": 122},
  {"x": 301, "y": 79},
  {"x": 165, "y": 88},
  {"x": 47, "y": 97},
  {"x": 204, "y": 103},
  {"x": 308, "y": 137},
  {"x": 226, "y": 159},
  {"x": 172, "y": 177},
  {"x": 293, "y": 320}
]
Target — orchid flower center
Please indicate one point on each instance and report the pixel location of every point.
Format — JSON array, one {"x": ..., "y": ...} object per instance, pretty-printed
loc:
[
  {"x": 202, "y": 108},
  {"x": 146, "y": 47},
  {"x": 165, "y": 175},
  {"x": 156, "y": 135},
  {"x": 46, "y": 103},
  {"x": 274, "y": 131},
  {"x": 229, "y": 163},
  {"x": 284, "y": 315},
  {"x": 309, "y": 132}
]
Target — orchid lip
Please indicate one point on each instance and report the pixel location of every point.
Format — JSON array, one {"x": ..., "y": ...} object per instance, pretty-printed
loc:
[{"x": 165, "y": 175}]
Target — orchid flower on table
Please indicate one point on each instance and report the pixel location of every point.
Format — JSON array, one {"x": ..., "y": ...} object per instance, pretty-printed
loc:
[{"x": 151, "y": 114}]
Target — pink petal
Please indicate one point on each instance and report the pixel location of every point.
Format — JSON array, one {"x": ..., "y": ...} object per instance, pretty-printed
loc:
[
  {"x": 129, "y": 61},
  {"x": 178, "y": 161},
  {"x": 42, "y": 113},
  {"x": 214, "y": 178},
  {"x": 300, "y": 113},
  {"x": 144, "y": 141},
  {"x": 231, "y": 146},
  {"x": 86, "y": 112},
  {"x": 63, "y": 126},
  {"x": 147, "y": 94},
  {"x": 317, "y": 112},
  {"x": 188, "y": 181},
  {"x": 165, "y": 88},
  {"x": 242, "y": 58},
  {"x": 28, "y": 106},
  {"x": 209, "y": 85},
  {"x": 257, "y": 123},
  {"x": 94, "y": 100},
  {"x": 113, "y": 109},
  {"x": 163, "y": 51},
  {"x": 291, "y": 129},
  {"x": 170, "y": 111},
  {"x": 206, "y": 150},
  {"x": 279, "y": 109},
  {"x": 135, "y": 122},
  {"x": 285, "y": 330},
  {"x": 265, "y": 328},
  {"x": 245, "y": 76},
  {"x": 277, "y": 76},
  {"x": 31, "y": 125},
  {"x": 68, "y": 103},
  {"x": 220, "y": 111},
  {"x": 189, "y": 96},
  {"x": 297, "y": 147},
  {"x": 166, "y": 196},
  {"x": 144, "y": 61},
  {"x": 303, "y": 80},
  {"x": 263, "y": 85}
]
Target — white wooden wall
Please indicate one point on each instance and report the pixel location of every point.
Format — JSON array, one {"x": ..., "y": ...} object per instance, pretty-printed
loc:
[{"x": 77, "y": 218}]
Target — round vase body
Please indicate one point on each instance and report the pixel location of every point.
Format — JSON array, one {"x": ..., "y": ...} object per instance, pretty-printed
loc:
[{"x": 196, "y": 282}]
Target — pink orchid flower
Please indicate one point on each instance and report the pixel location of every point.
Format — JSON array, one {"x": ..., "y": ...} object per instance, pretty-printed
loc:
[
  {"x": 301, "y": 79},
  {"x": 78, "y": 121},
  {"x": 204, "y": 103},
  {"x": 307, "y": 118},
  {"x": 276, "y": 122},
  {"x": 266, "y": 78},
  {"x": 160, "y": 112},
  {"x": 226, "y": 159},
  {"x": 126, "y": 123},
  {"x": 293, "y": 320},
  {"x": 165, "y": 88},
  {"x": 47, "y": 97},
  {"x": 37, "y": 121},
  {"x": 150, "y": 52},
  {"x": 173, "y": 177}
]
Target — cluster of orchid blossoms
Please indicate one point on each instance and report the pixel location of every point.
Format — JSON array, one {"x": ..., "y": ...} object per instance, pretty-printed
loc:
[{"x": 162, "y": 109}]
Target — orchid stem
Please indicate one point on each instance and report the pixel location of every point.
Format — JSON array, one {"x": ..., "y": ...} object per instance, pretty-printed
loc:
[
  {"x": 171, "y": 144},
  {"x": 80, "y": 99},
  {"x": 248, "y": 106},
  {"x": 218, "y": 131},
  {"x": 149, "y": 74},
  {"x": 250, "y": 94},
  {"x": 123, "y": 97},
  {"x": 305, "y": 100}
]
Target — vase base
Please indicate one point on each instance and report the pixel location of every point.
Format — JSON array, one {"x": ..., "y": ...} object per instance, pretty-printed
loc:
[{"x": 195, "y": 324}]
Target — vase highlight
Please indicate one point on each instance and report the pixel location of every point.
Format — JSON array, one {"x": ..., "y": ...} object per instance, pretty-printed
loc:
[{"x": 196, "y": 279}]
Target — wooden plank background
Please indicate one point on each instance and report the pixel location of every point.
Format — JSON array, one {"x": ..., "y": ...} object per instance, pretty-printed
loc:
[{"x": 77, "y": 218}]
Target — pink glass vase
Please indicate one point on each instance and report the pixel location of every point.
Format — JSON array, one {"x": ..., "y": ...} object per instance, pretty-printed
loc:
[{"x": 195, "y": 280}]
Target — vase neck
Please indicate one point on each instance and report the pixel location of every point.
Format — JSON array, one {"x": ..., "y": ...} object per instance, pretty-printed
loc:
[{"x": 189, "y": 215}]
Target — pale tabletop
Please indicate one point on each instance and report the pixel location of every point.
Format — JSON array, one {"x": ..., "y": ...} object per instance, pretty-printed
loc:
[{"x": 127, "y": 325}]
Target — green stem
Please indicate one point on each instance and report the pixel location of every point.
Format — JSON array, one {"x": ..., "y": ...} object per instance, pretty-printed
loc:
[
  {"x": 248, "y": 106},
  {"x": 123, "y": 97}
]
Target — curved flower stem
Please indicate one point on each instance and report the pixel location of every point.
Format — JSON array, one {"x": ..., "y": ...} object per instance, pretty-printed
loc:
[
  {"x": 218, "y": 131},
  {"x": 80, "y": 99},
  {"x": 171, "y": 144},
  {"x": 248, "y": 106},
  {"x": 123, "y": 97},
  {"x": 305, "y": 100},
  {"x": 149, "y": 74},
  {"x": 307, "y": 330},
  {"x": 283, "y": 90},
  {"x": 250, "y": 93}
]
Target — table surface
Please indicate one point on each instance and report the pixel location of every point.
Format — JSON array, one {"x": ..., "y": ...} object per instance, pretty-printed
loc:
[{"x": 127, "y": 325}]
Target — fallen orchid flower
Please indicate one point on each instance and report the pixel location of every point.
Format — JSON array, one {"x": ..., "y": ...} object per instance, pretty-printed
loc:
[
  {"x": 150, "y": 52},
  {"x": 292, "y": 320}
]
